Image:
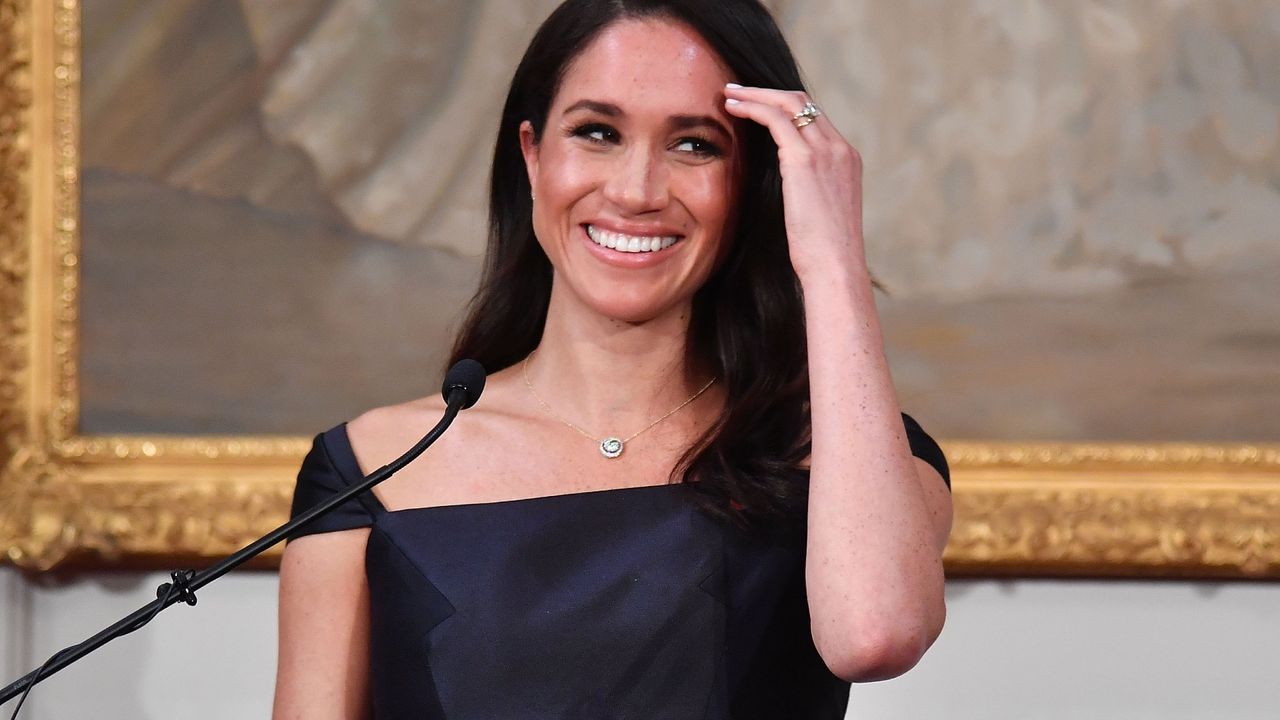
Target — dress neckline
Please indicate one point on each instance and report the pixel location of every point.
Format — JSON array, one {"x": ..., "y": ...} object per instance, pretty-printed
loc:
[
  {"x": 532, "y": 499},
  {"x": 349, "y": 468}
]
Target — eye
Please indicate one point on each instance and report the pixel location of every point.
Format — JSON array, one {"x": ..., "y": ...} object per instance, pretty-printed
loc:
[
  {"x": 698, "y": 146},
  {"x": 598, "y": 133}
]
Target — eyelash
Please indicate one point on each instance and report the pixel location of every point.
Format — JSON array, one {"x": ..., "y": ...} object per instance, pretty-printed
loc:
[
  {"x": 586, "y": 131},
  {"x": 708, "y": 148}
]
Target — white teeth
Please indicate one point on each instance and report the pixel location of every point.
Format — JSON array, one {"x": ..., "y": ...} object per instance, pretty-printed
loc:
[{"x": 629, "y": 243}]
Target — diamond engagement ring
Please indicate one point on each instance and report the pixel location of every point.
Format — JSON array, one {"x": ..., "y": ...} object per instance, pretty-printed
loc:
[{"x": 807, "y": 115}]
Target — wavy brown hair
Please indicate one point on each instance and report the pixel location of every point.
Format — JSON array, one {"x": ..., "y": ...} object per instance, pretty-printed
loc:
[{"x": 747, "y": 324}]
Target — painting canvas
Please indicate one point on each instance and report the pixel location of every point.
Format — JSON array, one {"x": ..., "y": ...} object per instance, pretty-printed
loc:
[{"x": 1075, "y": 207}]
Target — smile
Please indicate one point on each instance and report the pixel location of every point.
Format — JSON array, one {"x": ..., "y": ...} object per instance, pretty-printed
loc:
[{"x": 630, "y": 243}]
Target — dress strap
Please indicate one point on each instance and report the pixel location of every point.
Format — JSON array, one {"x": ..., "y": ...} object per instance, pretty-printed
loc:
[
  {"x": 326, "y": 472},
  {"x": 338, "y": 443},
  {"x": 926, "y": 448}
]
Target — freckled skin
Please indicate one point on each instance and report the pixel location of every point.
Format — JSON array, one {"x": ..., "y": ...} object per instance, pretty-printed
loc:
[{"x": 651, "y": 71}]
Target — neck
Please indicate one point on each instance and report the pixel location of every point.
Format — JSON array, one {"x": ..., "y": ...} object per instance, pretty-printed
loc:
[{"x": 611, "y": 376}]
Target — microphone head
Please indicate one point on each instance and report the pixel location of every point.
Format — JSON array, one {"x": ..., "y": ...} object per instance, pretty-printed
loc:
[{"x": 468, "y": 375}]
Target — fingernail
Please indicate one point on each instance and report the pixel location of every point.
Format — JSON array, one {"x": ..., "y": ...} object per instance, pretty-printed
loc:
[
  {"x": 733, "y": 86},
  {"x": 731, "y": 101}
]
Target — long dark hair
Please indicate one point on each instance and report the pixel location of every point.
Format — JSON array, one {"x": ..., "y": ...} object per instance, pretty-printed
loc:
[{"x": 747, "y": 324}]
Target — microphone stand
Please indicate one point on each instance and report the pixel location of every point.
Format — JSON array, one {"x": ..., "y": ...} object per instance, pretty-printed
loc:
[{"x": 185, "y": 583}]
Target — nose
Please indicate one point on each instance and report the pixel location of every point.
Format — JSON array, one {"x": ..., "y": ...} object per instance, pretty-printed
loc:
[{"x": 639, "y": 183}]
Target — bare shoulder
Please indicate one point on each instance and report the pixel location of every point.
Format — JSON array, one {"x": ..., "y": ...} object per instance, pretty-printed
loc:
[
  {"x": 412, "y": 419},
  {"x": 382, "y": 434},
  {"x": 465, "y": 454},
  {"x": 389, "y": 418}
]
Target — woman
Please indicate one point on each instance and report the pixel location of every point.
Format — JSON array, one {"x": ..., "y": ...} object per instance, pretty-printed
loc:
[{"x": 688, "y": 490}]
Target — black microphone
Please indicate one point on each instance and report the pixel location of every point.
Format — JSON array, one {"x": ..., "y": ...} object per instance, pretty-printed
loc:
[
  {"x": 462, "y": 387},
  {"x": 466, "y": 375}
]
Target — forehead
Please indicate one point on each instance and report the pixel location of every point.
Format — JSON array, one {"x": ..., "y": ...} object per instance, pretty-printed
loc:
[{"x": 661, "y": 64}]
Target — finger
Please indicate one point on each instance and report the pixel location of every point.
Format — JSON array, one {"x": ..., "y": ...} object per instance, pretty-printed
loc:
[
  {"x": 785, "y": 134},
  {"x": 791, "y": 102},
  {"x": 794, "y": 151}
]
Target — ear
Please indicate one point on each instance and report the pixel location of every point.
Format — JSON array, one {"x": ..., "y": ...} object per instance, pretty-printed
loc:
[{"x": 529, "y": 149}]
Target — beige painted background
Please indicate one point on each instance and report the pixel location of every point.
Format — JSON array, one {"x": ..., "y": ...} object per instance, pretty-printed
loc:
[{"x": 1075, "y": 205}]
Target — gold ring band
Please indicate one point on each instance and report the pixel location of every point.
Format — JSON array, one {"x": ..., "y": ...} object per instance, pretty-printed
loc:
[{"x": 806, "y": 116}]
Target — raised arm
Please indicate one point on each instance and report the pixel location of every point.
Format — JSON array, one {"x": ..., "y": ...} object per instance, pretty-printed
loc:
[{"x": 878, "y": 517}]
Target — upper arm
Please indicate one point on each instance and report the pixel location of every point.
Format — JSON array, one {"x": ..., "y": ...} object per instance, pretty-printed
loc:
[
  {"x": 323, "y": 664},
  {"x": 934, "y": 475},
  {"x": 937, "y": 496}
]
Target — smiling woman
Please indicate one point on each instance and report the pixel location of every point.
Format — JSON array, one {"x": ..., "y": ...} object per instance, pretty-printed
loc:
[
  {"x": 675, "y": 271},
  {"x": 635, "y": 152}
]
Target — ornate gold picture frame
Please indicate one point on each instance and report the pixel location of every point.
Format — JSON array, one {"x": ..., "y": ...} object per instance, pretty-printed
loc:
[{"x": 69, "y": 499}]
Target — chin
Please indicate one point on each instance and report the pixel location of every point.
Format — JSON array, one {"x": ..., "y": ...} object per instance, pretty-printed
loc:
[
  {"x": 631, "y": 313},
  {"x": 634, "y": 309}
]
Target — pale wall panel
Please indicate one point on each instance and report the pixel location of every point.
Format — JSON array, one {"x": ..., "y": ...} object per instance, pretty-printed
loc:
[
  {"x": 12, "y": 621},
  {"x": 1064, "y": 650},
  {"x": 213, "y": 661}
]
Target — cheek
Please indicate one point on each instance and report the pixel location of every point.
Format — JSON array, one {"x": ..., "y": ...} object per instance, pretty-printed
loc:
[
  {"x": 564, "y": 176},
  {"x": 709, "y": 197},
  {"x": 562, "y": 179}
]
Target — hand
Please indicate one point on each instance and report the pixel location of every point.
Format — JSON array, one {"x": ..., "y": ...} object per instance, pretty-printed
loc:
[{"x": 821, "y": 180}]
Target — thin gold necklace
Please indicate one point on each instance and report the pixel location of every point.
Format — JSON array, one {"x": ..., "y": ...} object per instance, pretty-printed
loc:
[{"x": 610, "y": 447}]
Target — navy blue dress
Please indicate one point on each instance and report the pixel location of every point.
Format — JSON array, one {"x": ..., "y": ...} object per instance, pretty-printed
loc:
[{"x": 625, "y": 603}]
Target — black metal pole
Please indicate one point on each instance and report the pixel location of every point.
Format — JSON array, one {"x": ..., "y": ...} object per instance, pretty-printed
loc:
[{"x": 187, "y": 583}]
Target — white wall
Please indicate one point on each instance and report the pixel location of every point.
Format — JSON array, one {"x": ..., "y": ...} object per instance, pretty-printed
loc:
[
  {"x": 216, "y": 660},
  {"x": 1051, "y": 650},
  {"x": 1018, "y": 650},
  {"x": 13, "y": 615}
]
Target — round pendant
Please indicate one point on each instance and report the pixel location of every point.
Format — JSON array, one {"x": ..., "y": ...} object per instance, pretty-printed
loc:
[{"x": 611, "y": 447}]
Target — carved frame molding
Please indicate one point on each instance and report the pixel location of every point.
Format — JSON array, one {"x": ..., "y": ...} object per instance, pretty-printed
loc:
[{"x": 68, "y": 500}]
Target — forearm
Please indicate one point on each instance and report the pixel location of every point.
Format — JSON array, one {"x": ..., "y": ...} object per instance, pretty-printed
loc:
[{"x": 873, "y": 569}]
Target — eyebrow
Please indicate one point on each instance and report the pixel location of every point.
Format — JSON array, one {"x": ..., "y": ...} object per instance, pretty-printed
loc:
[
  {"x": 603, "y": 108},
  {"x": 678, "y": 122}
]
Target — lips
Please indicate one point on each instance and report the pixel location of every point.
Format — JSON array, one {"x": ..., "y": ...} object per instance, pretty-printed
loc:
[{"x": 624, "y": 243}]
